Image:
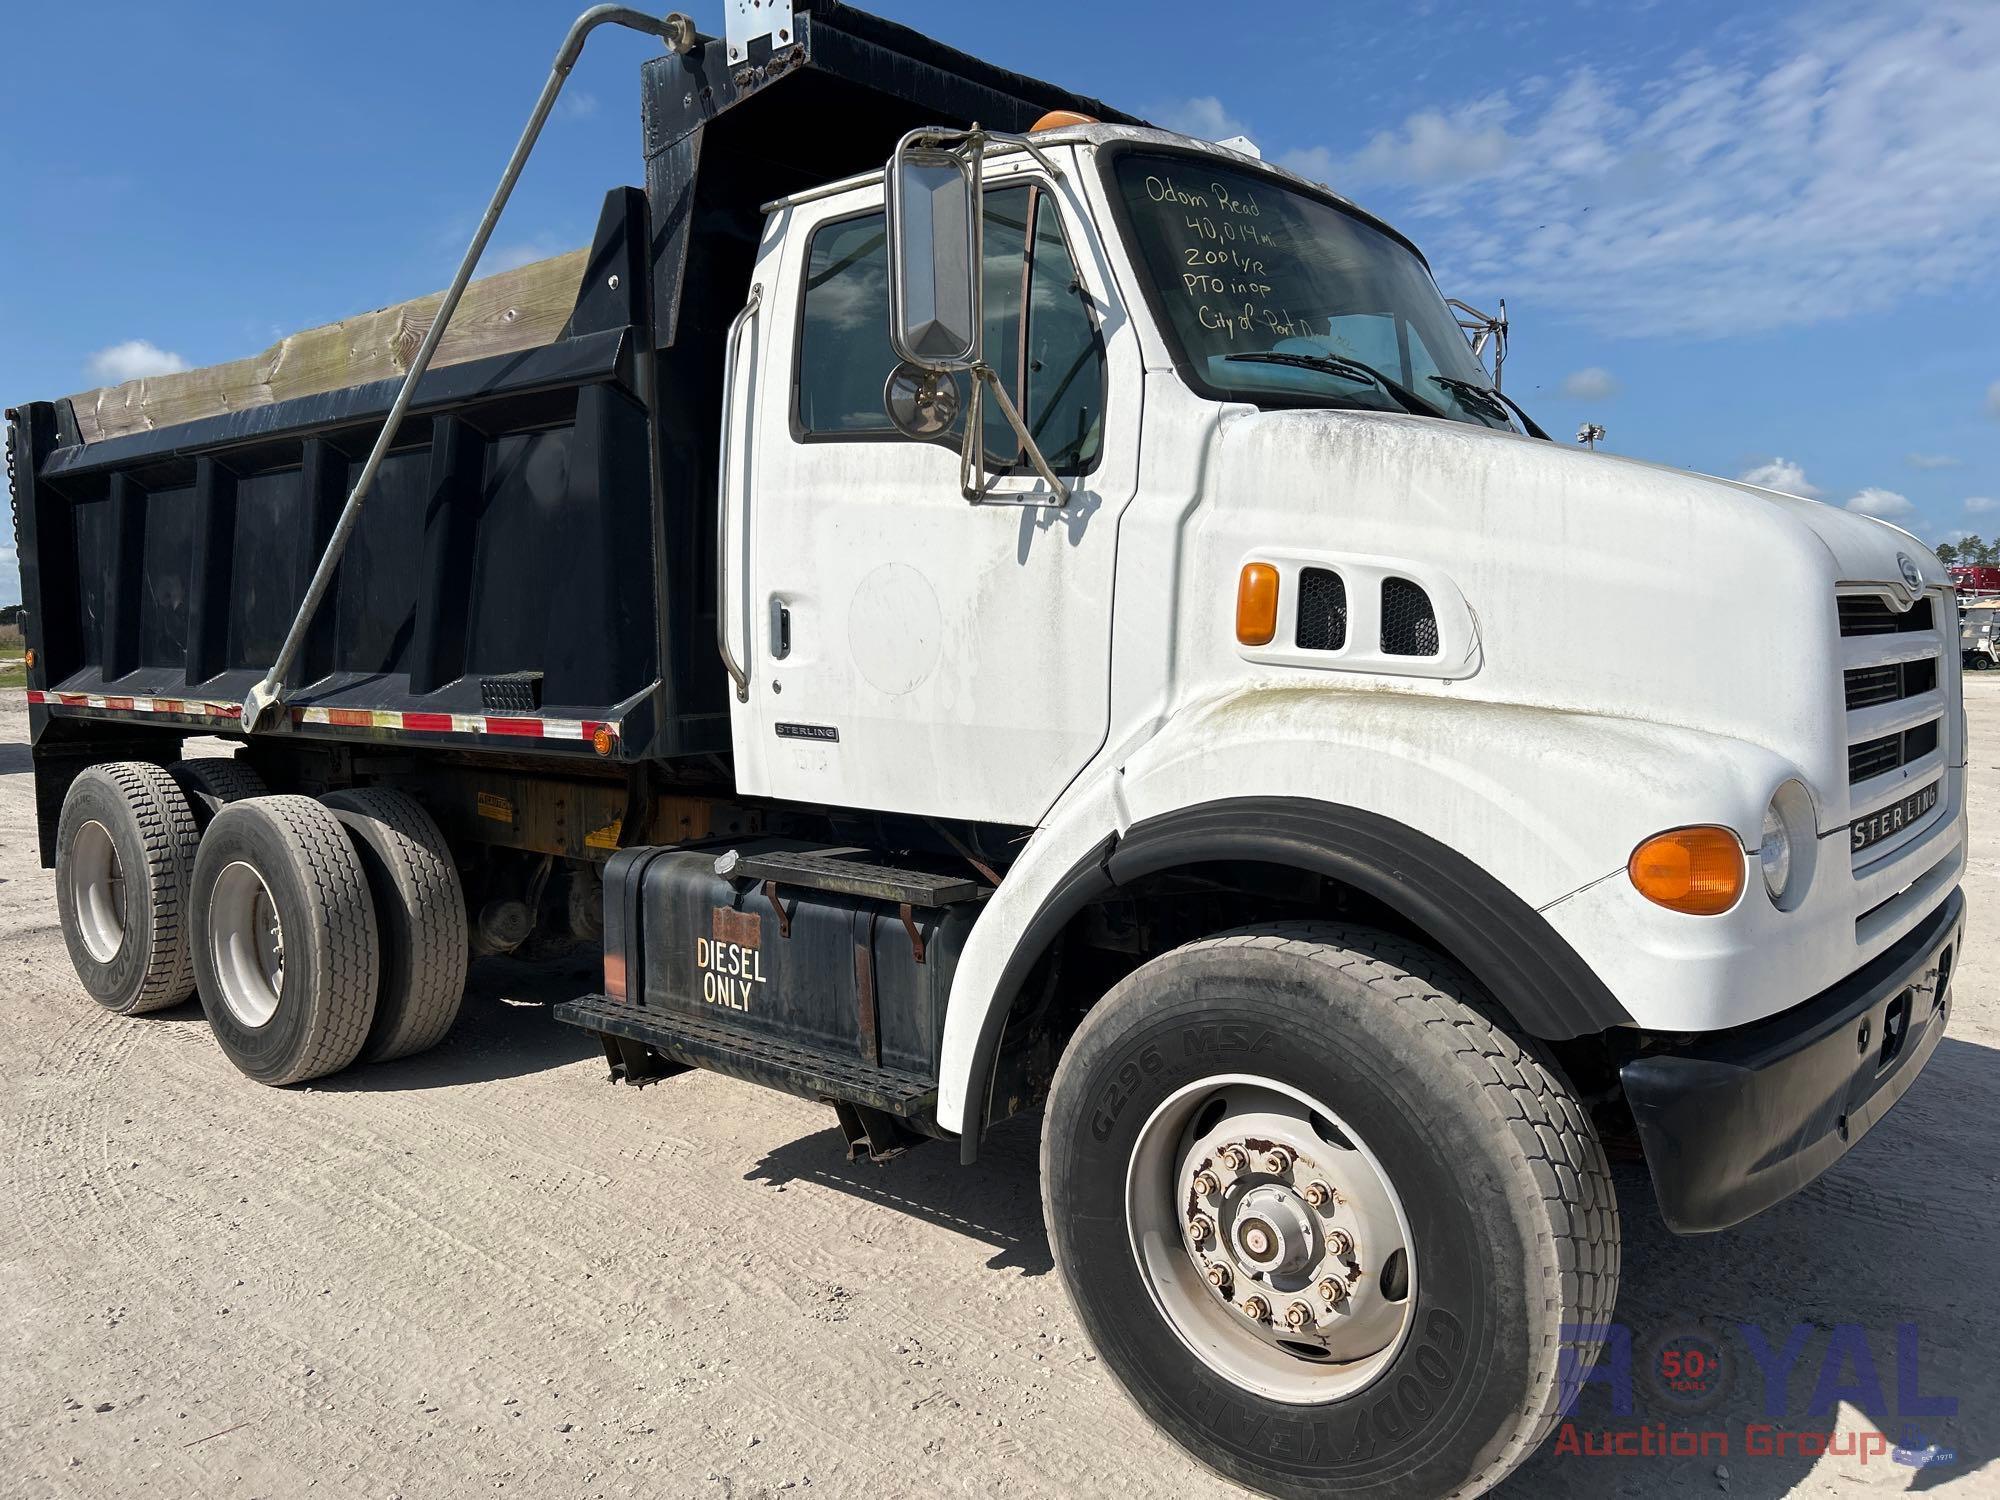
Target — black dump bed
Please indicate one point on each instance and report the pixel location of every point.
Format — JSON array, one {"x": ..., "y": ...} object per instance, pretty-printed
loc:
[{"x": 533, "y": 563}]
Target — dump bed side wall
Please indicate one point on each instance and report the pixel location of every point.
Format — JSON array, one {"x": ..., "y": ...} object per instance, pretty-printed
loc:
[{"x": 500, "y": 586}]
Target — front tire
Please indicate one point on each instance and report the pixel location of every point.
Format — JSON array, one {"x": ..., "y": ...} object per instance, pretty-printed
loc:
[
  {"x": 286, "y": 951},
  {"x": 1424, "y": 1160}
]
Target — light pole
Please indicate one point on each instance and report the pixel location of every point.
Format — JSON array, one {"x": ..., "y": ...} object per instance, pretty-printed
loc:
[{"x": 1590, "y": 435}]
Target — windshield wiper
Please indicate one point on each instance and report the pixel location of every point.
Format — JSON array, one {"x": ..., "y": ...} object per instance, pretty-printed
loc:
[
  {"x": 1492, "y": 402},
  {"x": 1347, "y": 369}
]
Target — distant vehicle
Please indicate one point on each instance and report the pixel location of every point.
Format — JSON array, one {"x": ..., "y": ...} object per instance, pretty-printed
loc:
[
  {"x": 1976, "y": 578},
  {"x": 1976, "y": 644}
]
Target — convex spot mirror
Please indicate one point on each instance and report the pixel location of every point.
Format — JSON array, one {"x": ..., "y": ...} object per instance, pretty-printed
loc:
[
  {"x": 934, "y": 258},
  {"x": 921, "y": 403}
]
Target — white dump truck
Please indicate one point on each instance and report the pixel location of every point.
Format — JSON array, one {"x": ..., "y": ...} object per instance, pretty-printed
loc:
[{"x": 983, "y": 606}]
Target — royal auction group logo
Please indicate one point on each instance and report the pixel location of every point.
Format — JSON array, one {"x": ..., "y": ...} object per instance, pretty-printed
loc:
[{"x": 1666, "y": 1395}]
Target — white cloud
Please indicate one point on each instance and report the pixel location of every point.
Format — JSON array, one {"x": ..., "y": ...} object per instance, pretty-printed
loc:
[
  {"x": 1956, "y": 535},
  {"x": 1204, "y": 118},
  {"x": 1435, "y": 148},
  {"x": 1932, "y": 461},
  {"x": 1884, "y": 505},
  {"x": 1979, "y": 505},
  {"x": 500, "y": 258},
  {"x": 1592, "y": 383},
  {"x": 134, "y": 360},
  {"x": 578, "y": 104},
  {"x": 1781, "y": 474},
  {"x": 1830, "y": 164},
  {"x": 1993, "y": 400}
]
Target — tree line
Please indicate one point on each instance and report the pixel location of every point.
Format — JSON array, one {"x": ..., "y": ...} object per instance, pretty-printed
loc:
[{"x": 1972, "y": 551}]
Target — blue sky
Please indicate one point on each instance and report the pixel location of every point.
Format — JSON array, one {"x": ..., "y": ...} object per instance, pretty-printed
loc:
[{"x": 1747, "y": 240}]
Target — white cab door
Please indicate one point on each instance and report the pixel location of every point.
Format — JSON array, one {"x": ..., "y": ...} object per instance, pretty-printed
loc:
[{"x": 908, "y": 650}]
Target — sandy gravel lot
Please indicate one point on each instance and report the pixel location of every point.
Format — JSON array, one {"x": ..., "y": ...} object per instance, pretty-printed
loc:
[{"x": 483, "y": 1270}]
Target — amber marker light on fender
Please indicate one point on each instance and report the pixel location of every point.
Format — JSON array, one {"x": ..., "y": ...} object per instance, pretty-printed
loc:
[
  {"x": 1699, "y": 870},
  {"x": 1256, "y": 604}
]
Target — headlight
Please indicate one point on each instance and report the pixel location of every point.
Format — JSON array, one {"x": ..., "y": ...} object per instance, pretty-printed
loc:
[
  {"x": 1775, "y": 853},
  {"x": 1786, "y": 850}
]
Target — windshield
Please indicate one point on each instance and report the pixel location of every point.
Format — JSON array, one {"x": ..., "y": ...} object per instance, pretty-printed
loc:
[{"x": 1243, "y": 265}]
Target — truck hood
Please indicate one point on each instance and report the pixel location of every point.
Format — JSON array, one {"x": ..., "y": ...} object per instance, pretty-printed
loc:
[{"x": 1597, "y": 583}]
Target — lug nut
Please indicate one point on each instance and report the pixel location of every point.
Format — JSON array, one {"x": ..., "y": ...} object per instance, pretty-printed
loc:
[
  {"x": 1333, "y": 1289},
  {"x": 1218, "y": 1277},
  {"x": 1206, "y": 1184},
  {"x": 1256, "y": 1308},
  {"x": 1339, "y": 1242},
  {"x": 1298, "y": 1317},
  {"x": 1235, "y": 1158},
  {"x": 1198, "y": 1228},
  {"x": 1319, "y": 1195},
  {"x": 1278, "y": 1161}
]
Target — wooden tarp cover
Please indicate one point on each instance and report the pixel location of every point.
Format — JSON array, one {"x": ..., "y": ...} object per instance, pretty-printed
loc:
[{"x": 518, "y": 309}]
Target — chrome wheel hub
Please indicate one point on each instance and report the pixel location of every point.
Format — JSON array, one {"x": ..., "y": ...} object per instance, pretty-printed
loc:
[
  {"x": 97, "y": 891},
  {"x": 247, "y": 944},
  {"x": 1271, "y": 1239}
]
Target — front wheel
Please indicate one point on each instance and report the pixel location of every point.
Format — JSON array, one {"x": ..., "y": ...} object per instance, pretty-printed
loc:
[{"x": 1324, "y": 1219}]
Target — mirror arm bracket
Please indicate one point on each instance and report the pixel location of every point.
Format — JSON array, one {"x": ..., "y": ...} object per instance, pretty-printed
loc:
[{"x": 971, "y": 466}]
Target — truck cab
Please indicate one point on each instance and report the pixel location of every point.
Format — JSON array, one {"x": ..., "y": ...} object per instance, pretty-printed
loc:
[{"x": 1061, "y": 622}]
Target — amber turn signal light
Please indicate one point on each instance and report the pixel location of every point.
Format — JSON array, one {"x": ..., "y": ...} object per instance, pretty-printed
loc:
[
  {"x": 1256, "y": 604},
  {"x": 1694, "y": 870},
  {"x": 603, "y": 740}
]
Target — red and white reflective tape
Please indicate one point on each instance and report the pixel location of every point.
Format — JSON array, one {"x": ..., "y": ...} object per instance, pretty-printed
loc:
[
  {"x": 511, "y": 725},
  {"x": 186, "y": 708}
]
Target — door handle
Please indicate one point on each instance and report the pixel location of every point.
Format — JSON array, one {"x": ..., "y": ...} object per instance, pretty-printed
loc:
[{"x": 781, "y": 629}]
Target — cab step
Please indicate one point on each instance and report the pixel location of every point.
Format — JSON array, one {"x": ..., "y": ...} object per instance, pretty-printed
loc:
[
  {"x": 696, "y": 1042},
  {"x": 838, "y": 871}
]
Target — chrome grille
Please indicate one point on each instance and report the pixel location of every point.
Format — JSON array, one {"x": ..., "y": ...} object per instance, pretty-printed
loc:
[{"x": 1893, "y": 679}]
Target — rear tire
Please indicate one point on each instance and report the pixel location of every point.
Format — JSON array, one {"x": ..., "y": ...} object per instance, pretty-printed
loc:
[
  {"x": 1463, "y": 1172},
  {"x": 286, "y": 951},
  {"x": 420, "y": 913},
  {"x": 212, "y": 782},
  {"x": 125, "y": 851}
]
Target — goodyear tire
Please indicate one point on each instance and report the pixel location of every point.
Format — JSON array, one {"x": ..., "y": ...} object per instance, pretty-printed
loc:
[
  {"x": 212, "y": 782},
  {"x": 420, "y": 913},
  {"x": 286, "y": 957},
  {"x": 1323, "y": 1219},
  {"x": 125, "y": 850}
]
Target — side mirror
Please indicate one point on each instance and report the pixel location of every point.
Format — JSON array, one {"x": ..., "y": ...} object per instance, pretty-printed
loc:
[
  {"x": 921, "y": 403},
  {"x": 934, "y": 257}
]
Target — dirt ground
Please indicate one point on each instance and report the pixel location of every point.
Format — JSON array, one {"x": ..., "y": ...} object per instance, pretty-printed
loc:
[{"x": 483, "y": 1270}]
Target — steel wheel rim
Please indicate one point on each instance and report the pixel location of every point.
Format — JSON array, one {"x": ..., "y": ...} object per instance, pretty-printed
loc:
[
  {"x": 97, "y": 891},
  {"x": 246, "y": 941},
  {"x": 1271, "y": 1243}
]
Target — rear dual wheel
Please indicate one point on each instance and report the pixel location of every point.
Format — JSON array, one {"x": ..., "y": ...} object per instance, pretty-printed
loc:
[
  {"x": 327, "y": 932},
  {"x": 315, "y": 933},
  {"x": 1323, "y": 1217},
  {"x": 286, "y": 947},
  {"x": 124, "y": 848}
]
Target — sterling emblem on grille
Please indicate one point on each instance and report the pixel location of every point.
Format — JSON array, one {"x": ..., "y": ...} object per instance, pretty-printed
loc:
[{"x": 1913, "y": 577}]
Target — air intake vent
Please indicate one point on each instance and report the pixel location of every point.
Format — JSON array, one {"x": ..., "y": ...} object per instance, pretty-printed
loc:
[
  {"x": 1866, "y": 614},
  {"x": 1873, "y": 758},
  {"x": 1322, "y": 611},
  {"x": 1409, "y": 624}
]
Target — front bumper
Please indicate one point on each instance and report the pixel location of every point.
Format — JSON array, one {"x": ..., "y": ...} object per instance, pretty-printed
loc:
[{"x": 1735, "y": 1122}]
